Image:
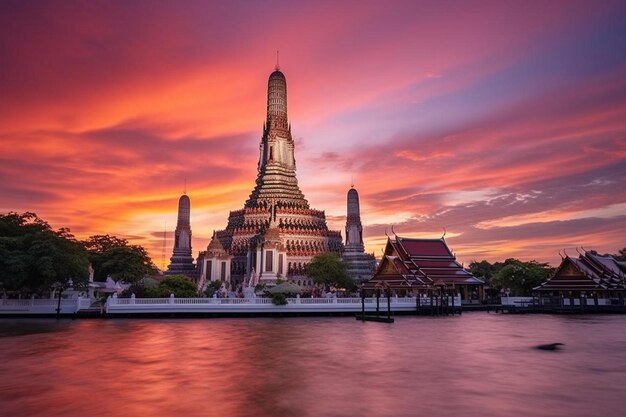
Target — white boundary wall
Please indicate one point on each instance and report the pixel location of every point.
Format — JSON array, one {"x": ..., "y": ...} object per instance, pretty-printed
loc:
[
  {"x": 259, "y": 305},
  {"x": 43, "y": 305},
  {"x": 132, "y": 305}
]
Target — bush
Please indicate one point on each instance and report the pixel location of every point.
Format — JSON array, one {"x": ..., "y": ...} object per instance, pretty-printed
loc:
[
  {"x": 212, "y": 287},
  {"x": 279, "y": 299},
  {"x": 179, "y": 285}
]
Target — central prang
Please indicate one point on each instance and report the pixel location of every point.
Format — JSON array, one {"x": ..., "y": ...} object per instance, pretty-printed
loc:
[{"x": 276, "y": 234}]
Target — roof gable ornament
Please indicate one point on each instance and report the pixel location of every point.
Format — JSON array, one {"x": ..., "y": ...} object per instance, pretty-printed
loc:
[{"x": 444, "y": 233}]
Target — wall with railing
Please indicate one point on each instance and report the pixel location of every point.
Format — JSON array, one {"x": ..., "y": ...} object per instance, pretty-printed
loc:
[
  {"x": 115, "y": 305},
  {"x": 260, "y": 305},
  {"x": 43, "y": 305}
]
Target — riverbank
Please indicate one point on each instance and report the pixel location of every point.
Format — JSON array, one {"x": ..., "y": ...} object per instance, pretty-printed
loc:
[{"x": 172, "y": 307}]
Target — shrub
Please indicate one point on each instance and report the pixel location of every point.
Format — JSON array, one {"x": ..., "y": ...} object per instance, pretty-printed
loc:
[
  {"x": 279, "y": 299},
  {"x": 212, "y": 287}
]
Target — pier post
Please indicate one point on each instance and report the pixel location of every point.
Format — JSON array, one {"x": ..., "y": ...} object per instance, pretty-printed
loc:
[
  {"x": 453, "y": 303},
  {"x": 362, "y": 302}
]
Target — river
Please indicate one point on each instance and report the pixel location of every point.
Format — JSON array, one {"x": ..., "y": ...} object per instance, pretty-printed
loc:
[{"x": 478, "y": 364}]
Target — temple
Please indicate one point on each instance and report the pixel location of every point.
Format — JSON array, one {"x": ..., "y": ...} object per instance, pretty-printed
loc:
[
  {"x": 588, "y": 275},
  {"x": 276, "y": 233},
  {"x": 181, "y": 261},
  {"x": 360, "y": 265},
  {"x": 423, "y": 265}
]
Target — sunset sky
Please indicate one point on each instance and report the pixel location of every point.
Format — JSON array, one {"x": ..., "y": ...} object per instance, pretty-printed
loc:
[{"x": 502, "y": 121}]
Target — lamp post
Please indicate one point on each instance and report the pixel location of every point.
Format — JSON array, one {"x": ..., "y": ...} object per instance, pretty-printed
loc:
[{"x": 58, "y": 287}]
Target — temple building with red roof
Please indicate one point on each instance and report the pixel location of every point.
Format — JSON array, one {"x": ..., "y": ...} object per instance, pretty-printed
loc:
[
  {"x": 588, "y": 275},
  {"x": 422, "y": 265}
]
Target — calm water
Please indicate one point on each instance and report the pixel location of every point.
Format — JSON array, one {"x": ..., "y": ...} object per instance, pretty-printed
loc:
[{"x": 479, "y": 365}]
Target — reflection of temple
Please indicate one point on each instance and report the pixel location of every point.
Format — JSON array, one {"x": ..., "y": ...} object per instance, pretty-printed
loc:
[
  {"x": 181, "y": 261},
  {"x": 359, "y": 264},
  {"x": 276, "y": 232},
  {"x": 423, "y": 265}
]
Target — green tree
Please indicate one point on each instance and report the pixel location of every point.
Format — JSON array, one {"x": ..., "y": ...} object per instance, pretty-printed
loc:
[
  {"x": 179, "y": 285},
  {"x": 521, "y": 277},
  {"x": 212, "y": 287},
  {"x": 482, "y": 269},
  {"x": 330, "y": 270},
  {"x": 114, "y": 257},
  {"x": 34, "y": 257}
]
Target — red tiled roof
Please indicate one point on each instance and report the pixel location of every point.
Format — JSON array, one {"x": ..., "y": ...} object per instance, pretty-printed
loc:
[
  {"x": 425, "y": 247},
  {"x": 422, "y": 262},
  {"x": 588, "y": 272}
]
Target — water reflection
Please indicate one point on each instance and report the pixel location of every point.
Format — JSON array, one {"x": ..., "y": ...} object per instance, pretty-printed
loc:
[{"x": 477, "y": 364}]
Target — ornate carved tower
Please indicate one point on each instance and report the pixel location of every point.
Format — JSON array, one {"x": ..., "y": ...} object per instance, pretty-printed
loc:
[
  {"x": 360, "y": 265},
  {"x": 297, "y": 232},
  {"x": 181, "y": 261},
  {"x": 276, "y": 178}
]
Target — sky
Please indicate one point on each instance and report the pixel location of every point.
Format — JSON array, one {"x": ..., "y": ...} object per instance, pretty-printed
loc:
[{"x": 502, "y": 123}]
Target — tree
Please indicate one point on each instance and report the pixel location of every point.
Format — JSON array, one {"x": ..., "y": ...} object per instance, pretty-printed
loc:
[
  {"x": 330, "y": 270},
  {"x": 34, "y": 257},
  {"x": 212, "y": 287},
  {"x": 114, "y": 257},
  {"x": 179, "y": 285},
  {"x": 521, "y": 277},
  {"x": 482, "y": 269}
]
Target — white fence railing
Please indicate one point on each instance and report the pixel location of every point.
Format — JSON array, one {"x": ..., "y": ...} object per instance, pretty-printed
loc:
[
  {"x": 172, "y": 304},
  {"x": 260, "y": 304},
  {"x": 43, "y": 305}
]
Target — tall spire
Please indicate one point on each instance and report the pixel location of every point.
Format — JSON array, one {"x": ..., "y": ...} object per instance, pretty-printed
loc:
[
  {"x": 181, "y": 261},
  {"x": 277, "y": 97},
  {"x": 354, "y": 229},
  {"x": 277, "y": 164},
  {"x": 184, "y": 213},
  {"x": 277, "y": 232},
  {"x": 359, "y": 264}
]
